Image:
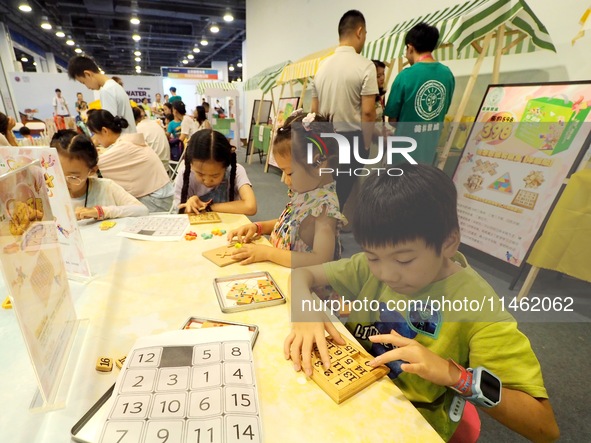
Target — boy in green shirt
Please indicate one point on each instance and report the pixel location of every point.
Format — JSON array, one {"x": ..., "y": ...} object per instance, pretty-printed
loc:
[{"x": 432, "y": 315}]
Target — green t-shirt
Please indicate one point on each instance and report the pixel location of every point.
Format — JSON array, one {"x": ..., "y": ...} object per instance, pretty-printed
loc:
[
  {"x": 174, "y": 98},
  {"x": 419, "y": 100},
  {"x": 489, "y": 338}
]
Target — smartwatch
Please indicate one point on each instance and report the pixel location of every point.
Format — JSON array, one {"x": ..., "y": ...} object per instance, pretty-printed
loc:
[{"x": 486, "y": 388}]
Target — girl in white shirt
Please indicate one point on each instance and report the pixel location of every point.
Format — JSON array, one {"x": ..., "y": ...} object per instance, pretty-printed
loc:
[
  {"x": 188, "y": 125},
  {"x": 92, "y": 197}
]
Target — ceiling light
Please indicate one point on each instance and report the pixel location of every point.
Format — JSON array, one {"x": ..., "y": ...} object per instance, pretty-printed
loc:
[
  {"x": 34, "y": 63},
  {"x": 214, "y": 28},
  {"x": 134, "y": 21},
  {"x": 239, "y": 64},
  {"x": 138, "y": 67},
  {"x": 24, "y": 59},
  {"x": 138, "y": 59},
  {"x": 60, "y": 33},
  {"x": 196, "y": 50},
  {"x": 137, "y": 53},
  {"x": 45, "y": 23},
  {"x": 228, "y": 17},
  {"x": 101, "y": 71},
  {"x": 190, "y": 56},
  {"x": 204, "y": 41},
  {"x": 238, "y": 79},
  {"x": 78, "y": 51},
  {"x": 24, "y": 6},
  {"x": 136, "y": 37},
  {"x": 185, "y": 61},
  {"x": 70, "y": 42},
  {"x": 231, "y": 68}
]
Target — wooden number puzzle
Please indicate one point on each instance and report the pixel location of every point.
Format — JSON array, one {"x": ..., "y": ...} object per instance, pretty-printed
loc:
[
  {"x": 221, "y": 256},
  {"x": 247, "y": 291},
  {"x": 525, "y": 199},
  {"x": 349, "y": 371},
  {"x": 204, "y": 217},
  {"x": 199, "y": 391}
]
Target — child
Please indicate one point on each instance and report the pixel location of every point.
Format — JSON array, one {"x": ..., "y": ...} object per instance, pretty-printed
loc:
[
  {"x": 217, "y": 183},
  {"x": 92, "y": 197},
  {"x": 409, "y": 231},
  {"x": 26, "y": 134},
  {"x": 306, "y": 232},
  {"x": 129, "y": 162}
]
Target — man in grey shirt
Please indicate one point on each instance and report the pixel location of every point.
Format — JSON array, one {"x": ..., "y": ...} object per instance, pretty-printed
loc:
[{"x": 344, "y": 89}]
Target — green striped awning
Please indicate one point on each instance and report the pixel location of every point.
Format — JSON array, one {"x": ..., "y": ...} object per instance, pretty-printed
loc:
[
  {"x": 222, "y": 86},
  {"x": 266, "y": 79},
  {"x": 461, "y": 25},
  {"x": 304, "y": 67}
]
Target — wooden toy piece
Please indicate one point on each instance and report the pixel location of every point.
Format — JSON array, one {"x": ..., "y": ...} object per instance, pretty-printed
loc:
[
  {"x": 206, "y": 236},
  {"x": 234, "y": 294},
  {"x": 104, "y": 364},
  {"x": 213, "y": 324},
  {"x": 267, "y": 295},
  {"x": 264, "y": 283},
  {"x": 204, "y": 217},
  {"x": 120, "y": 361},
  {"x": 221, "y": 256},
  {"x": 244, "y": 299},
  {"x": 190, "y": 236},
  {"x": 7, "y": 304},
  {"x": 349, "y": 371},
  {"x": 106, "y": 225},
  {"x": 218, "y": 232}
]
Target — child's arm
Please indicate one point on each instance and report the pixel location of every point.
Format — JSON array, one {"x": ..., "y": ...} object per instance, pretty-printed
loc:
[
  {"x": 247, "y": 204},
  {"x": 246, "y": 232},
  {"x": 533, "y": 418},
  {"x": 298, "y": 344},
  {"x": 322, "y": 252},
  {"x": 126, "y": 205}
]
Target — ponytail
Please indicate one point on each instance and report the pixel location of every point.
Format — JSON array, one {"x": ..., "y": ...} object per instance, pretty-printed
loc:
[
  {"x": 101, "y": 118},
  {"x": 232, "y": 176},
  {"x": 186, "y": 176}
]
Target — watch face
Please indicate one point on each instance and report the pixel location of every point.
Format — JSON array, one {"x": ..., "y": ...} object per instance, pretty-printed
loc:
[{"x": 490, "y": 386}]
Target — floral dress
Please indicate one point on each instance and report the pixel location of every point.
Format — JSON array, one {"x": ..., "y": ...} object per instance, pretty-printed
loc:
[{"x": 313, "y": 203}]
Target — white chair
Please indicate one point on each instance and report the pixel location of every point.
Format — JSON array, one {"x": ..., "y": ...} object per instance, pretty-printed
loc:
[{"x": 173, "y": 166}]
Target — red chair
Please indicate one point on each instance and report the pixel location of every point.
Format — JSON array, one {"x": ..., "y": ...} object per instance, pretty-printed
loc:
[{"x": 468, "y": 430}]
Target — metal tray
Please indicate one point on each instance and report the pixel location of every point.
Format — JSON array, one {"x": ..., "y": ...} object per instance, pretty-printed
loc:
[
  {"x": 223, "y": 285},
  {"x": 197, "y": 323}
]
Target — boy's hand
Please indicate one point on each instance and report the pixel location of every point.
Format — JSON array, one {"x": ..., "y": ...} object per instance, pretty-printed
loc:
[
  {"x": 421, "y": 361},
  {"x": 250, "y": 253},
  {"x": 299, "y": 343},
  {"x": 244, "y": 233},
  {"x": 194, "y": 205}
]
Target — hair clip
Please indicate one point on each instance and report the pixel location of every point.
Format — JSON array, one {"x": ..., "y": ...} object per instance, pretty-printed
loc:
[{"x": 307, "y": 120}]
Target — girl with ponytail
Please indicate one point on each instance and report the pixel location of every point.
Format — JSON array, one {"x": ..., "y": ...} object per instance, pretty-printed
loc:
[
  {"x": 210, "y": 178},
  {"x": 130, "y": 162}
]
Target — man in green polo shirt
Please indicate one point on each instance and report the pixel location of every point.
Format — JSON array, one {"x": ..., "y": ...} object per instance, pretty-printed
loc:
[{"x": 421, "y": 94}]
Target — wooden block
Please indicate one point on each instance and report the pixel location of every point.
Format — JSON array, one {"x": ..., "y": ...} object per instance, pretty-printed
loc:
[
  {"x": 120, "y": 361},
  {"x": 204, "y": 217},
  {"x": 244, "y": 300},
  {"x": 213, "y": 324},
  {"x": 240, "y": 286},
  {"x": 106, "y": 225},
  {"x": 234, "y": 294},
  {"x": 264, "y": 283},
  {"x": 221, "y": 256},
  {"x": 7, "y": 304},
  {"x": 349, "y": 372},
  {"x": 104, "y": 364}
]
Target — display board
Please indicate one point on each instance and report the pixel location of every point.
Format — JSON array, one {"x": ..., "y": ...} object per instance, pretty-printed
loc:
[
  {"x": 260, "y": 115},
  {"x": 525, "y": 141},
  {"x": 69, "y": 236},
  {"x": 34, "y": 273}
]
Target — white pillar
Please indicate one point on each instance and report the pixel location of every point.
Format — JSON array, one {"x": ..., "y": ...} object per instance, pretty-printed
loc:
[
  {"x": 222, "y": 68},
  {"x": 7, "y": 64},
  {"x": 38, "y": 64},
  {"x": 51, "y": 66}
]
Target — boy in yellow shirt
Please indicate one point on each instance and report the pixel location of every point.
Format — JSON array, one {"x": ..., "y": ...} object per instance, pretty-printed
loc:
[{"x": 428, "y": 315}]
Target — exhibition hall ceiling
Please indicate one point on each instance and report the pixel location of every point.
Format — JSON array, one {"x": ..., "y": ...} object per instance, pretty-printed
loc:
[{"x": 172, "y": 32}]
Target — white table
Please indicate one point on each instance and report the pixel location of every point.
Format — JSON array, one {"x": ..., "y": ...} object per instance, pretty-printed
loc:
[{"x": 142, "y": 288}]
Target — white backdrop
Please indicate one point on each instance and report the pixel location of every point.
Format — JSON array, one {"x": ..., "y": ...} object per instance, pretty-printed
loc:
[{"x": 35, "y": 90}]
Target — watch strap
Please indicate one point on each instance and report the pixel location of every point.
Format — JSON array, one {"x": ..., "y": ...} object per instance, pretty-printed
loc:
[{"x": 464, "y": 384}]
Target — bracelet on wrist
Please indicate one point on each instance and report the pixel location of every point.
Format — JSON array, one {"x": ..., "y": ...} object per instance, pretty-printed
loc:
[
  {"x": 259, "y": 228},
  {"x": 464, "y": 384},
  {"x": 100, "y": 212}
]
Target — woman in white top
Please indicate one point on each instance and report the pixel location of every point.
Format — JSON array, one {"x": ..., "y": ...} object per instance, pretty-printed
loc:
[
  {"x": 188, "y": 125},
  {"x": 154, "y": 135},
  {"x": 201, "y": 118},
  {"x": 130, "y": 162},
  {"x": 92, "y": 197}
]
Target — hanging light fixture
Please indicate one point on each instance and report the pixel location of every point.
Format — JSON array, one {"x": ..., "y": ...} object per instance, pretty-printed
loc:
[
  {"x": 70, "y": 42},
  {"x": 231, "y": 68},
  {"x": 59, "y": 32},
  {"x": 228, "y": 17},
  {"x": 24, "y": 6},
  {"x": 78, "y": 51},
  {"x": 214, "y": 28},
  {"x": 185, "y": 61},
  {"x": 136, "y": 37},
  {"x": 138, "y": 59},
  {"x": 190, "y": 56},
  {"x": 134, "y": 20},
  {"x": 204, "y": 41},
  {"x": 24, "y": 59},
  {"x": 239, "y": 64},
  {"x": 137, "y": 53},
  {"x": 196, "y": 50},
  {"x": 45, "y": 23}
]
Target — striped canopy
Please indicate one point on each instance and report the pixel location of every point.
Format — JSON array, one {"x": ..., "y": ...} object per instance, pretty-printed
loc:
[
  {"x": 223, "y": 86},
  {"x": 265, "y": 80},
  {"x": 461, "y": 25},
  {"x": 304, "y": 67}
]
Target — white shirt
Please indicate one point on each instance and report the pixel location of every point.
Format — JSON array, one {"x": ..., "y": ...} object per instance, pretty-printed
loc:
[
  {"x": 340, "y": 82},
  {"x": 115, "y": 201},
  {"x": 59, "y": 104},
  {"x": 156, "y": 139},
  {"x": 188, "y": 126},
  {"x": 115, "y": 100}
]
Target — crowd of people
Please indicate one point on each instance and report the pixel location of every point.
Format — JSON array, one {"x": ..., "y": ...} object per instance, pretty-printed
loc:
[{"x": 407, "y": 226}]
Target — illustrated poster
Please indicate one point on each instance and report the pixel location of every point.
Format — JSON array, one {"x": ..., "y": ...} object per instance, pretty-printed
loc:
[{"x": 525, "y": 141}]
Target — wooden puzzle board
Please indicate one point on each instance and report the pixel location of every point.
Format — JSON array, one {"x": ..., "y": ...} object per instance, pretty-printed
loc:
[
  {"x": 204, "y": 217},
  {"x": 221, "y": 256},
  {"x": 525, "y": 199},
  {"x": 196, "y": 387},
  {"x": 247, "y": 291},
  {"x": 349, "y": 371}
]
